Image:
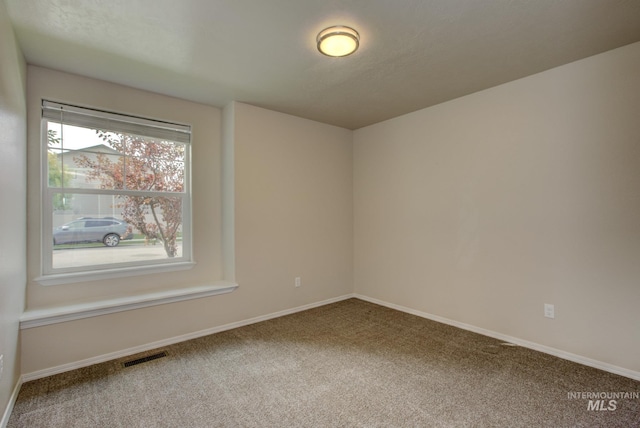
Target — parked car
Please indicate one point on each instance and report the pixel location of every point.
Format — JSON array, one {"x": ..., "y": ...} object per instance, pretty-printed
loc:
[{"x": 108, "y": 230}]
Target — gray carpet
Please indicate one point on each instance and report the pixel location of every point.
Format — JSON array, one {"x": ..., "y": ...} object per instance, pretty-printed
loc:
[{"x": 348, "y": 364}]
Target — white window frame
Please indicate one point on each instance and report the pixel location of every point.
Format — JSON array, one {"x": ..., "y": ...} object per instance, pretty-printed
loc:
[{"x": 99, "y": 119}]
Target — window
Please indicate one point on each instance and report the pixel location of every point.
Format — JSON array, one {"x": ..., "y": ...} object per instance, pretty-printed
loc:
[{"x": 116, "y": 193}]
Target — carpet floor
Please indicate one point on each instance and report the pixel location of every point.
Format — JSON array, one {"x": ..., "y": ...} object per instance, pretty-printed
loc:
[{"x": 347, "y": 364}]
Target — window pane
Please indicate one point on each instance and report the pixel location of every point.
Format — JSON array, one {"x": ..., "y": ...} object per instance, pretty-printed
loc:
[
  {"x": 54, "y": 135},
  {"x": 91, "y": 229},
  {"x": 154, "y": 165},
  {"x": 84, "y": 169},
  {"x": 69, "y": 137},
  {"x": 93, "y": 169},
  {"x": 147, "y": 148},
  {"x": 79, "y": 158},
  {"x": 99, "y": 159},
  {"x": 109, "y": 200},
  {"x": 59, "y": 174}
]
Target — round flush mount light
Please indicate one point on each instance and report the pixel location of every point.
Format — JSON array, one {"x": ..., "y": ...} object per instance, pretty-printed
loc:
[{"x": 338, "y": 41}]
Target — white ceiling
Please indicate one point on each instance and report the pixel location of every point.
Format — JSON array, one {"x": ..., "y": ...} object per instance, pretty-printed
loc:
[{"x": 413, "y": 53}]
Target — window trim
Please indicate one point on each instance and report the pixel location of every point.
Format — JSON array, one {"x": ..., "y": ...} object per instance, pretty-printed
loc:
[
  {"x": 72, "y": 312},
  {"x": 178, "y": 133},
  {"x": 120, "y": 272}
]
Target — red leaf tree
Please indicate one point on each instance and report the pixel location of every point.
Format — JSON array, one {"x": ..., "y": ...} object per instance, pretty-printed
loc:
[{"x": 143, "y": 164}]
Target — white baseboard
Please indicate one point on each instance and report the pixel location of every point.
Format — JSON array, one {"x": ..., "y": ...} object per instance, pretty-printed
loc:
[
  {"x": 524, "y": 343},
  {"x": 166, "y": 342},
  {"x": 173, "y": 340},
  {"x": 12, "y": 401}
]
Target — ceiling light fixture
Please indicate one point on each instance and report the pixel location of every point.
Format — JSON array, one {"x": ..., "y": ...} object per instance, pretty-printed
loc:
[{"x": 338, "y": 41}]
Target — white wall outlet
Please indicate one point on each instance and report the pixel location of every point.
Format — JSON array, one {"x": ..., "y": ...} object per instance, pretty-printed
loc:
[
  {"x": 297, "y": 282},
  {"x": 549, "y": 310},
  {"x": 1, "y": 365}
]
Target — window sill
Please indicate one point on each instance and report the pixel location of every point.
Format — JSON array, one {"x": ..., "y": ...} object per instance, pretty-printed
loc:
[
  {"x": 42, "y": 317},
  {"x": 70, "y": 278}
]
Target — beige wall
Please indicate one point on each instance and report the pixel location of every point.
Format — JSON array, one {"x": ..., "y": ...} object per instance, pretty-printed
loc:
[
  {"x": 12, "y": 203},
  {"x": 294, "y": 209},
  {"x": 484, "y": 208},
  {"x": 293, "y": 217}
]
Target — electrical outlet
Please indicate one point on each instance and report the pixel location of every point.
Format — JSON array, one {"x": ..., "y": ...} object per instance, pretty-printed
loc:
[
  {"x": 297, "y": 282},
  {"x": 549, "y": 310},
  {"x": 1, "y": 365}
]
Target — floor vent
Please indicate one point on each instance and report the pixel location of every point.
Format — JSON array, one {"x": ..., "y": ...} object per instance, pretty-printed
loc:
[{"x": 145, "y": 359}]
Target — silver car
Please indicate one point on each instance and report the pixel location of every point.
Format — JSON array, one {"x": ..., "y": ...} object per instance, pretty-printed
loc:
[{"x": 107, "y": 230}]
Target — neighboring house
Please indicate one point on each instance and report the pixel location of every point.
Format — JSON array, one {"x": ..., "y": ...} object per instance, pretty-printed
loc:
[
  {"x": 85, "y": 205},
  {"x": 82, "y": 205}
]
